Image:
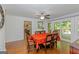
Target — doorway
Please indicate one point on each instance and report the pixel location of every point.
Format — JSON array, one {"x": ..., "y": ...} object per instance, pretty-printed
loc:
[{"x": 27, "y": 28}]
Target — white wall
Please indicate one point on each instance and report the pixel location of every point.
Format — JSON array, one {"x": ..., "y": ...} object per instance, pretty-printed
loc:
[
  {"x": 15, "y": 27},
  {"x": 76, "y": 26},
  {"x": 2, "y": 39}
]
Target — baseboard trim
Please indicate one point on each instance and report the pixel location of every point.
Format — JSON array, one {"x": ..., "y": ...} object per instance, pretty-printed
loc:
[
  {"x": 3, "y": 52},
  {"x": 14, "y": 41}
]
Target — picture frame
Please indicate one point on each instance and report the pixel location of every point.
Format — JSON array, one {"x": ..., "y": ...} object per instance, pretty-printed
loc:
[{"x": 40, "y": 25}]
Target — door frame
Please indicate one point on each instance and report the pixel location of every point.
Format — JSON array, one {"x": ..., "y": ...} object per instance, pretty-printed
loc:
[{"x": 24, "y": 29}]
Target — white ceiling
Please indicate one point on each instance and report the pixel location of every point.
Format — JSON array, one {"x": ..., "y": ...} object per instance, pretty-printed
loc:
[{"x": 30, "y": 10}]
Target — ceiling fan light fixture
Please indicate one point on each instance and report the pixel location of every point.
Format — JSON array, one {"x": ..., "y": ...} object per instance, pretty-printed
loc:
[{"x": 42, "y": 17}]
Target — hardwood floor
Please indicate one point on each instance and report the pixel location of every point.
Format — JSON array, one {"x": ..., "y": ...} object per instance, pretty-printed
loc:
[{"x": 19, "y": 47}]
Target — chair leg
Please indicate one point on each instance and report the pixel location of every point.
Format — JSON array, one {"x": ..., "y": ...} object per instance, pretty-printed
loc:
[
  {"x": 52, "y": 44},
  {"x": 37, "y": 50},
  {"x": 28, "y": 49},
  {"x": 45, "y": 49},
  {"x": 56, "y": 44}
]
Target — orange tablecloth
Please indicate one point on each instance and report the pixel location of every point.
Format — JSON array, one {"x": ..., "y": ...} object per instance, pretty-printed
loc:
[{"x": 39, "y": 39}]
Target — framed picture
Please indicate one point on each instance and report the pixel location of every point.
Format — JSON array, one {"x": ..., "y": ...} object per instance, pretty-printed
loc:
[{"x": 40, "y": 25}]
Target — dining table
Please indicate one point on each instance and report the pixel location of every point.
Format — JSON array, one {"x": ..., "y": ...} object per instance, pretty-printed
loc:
[{"x": 39, "y": 39}]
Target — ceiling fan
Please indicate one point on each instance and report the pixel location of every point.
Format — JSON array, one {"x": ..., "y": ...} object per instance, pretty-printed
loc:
[{"x": 43, "y": 16}]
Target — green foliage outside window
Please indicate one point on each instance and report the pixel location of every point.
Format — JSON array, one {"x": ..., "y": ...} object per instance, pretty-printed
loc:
[
  {"x": 66, "y": 25},
  {"x": 49, "y": 27},
  {"x": 65, "y": 28},
  {"x": 57, "y": 26}
]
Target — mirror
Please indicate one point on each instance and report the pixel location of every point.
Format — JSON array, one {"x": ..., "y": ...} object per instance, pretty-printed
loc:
[{"x": 1, "y": 17}]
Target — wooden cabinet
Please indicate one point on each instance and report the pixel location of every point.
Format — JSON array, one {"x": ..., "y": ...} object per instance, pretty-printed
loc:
[
  {"x": 75, "y": 47},
  {"x": 74, "y": 50}
]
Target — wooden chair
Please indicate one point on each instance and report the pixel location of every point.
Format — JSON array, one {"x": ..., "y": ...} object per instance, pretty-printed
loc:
[
  {"x": 55, "y": 38},
  {"x": 48, "y": 40},
  {"x": 30, "y": 43}
]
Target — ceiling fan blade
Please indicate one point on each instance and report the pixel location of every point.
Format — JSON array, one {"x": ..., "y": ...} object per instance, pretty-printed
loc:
[{"x": 47, "y": 17}]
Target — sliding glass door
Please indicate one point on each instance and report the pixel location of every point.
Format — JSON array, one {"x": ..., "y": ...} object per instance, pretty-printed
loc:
[{"x": 65, "y": 29}]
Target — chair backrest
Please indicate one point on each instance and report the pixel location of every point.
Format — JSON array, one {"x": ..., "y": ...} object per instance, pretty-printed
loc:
[
  {"x": 29, "y": 39},
  {"x": 43, "y": 32},
  {"x": 49, "y": 37},
  {"x": 37, "y": 32},
  {"x": 55, "y": 36},
  {"x": 27, "y": 32},
  {"x": 40, "y": 32}
]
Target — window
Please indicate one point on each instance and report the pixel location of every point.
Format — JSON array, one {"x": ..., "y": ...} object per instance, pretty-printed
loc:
[
  {"x": 57, "y": 26},
  {"x": 66, "y": 29}
]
